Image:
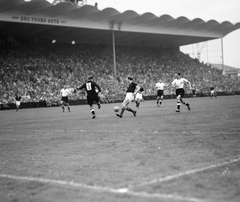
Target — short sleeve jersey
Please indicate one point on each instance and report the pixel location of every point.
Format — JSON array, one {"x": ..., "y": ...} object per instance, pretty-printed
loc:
[
  {"x": 65, "y": 92},
  {"x": 160, "y": 86},
  {"x": 91, "y": 87},
  {"x": 141, "y": 90},
  {"x": 179, "y": 83},
  {"x": 18, "y": 98},
  {"x": 132, "y": 87}
]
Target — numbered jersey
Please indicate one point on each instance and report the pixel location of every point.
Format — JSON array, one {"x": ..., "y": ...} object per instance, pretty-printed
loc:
[{"x": 91, "y": 87}]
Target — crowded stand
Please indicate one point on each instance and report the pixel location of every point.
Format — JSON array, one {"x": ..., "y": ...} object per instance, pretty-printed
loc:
[{"x": 37, "y": 71}]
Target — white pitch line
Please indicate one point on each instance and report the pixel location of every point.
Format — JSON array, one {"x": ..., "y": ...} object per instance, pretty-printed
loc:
[
  {"x": 104, "y": 189},
  {"x": 166, "y": 196},
  {"x": 76, "y": 131},
  {"x": 182, "y": 174},
  {"x": 110, "y": 131},
  {"x": 79, "y": 131},
  {"x": 60, "y": 182}
]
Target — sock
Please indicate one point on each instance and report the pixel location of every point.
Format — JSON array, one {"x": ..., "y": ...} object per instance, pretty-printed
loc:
[
  {"x": 178, "y": 105},
  {"x": 185, "y": 103},
  {"x": 130, "y": 110},
  {"x": 122, "y": 111},
  {"x": 92, "y": 111}
]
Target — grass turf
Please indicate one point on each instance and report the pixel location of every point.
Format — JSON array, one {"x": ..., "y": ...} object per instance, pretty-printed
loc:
[{"x": 110, "y": 153}]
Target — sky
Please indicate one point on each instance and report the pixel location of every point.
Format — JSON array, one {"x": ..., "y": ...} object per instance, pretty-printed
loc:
[{"x": 219, "y": 10}]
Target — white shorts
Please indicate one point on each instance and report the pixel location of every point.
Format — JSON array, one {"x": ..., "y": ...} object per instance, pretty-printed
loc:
[
  {"x": 212, "y": 92},
  {"x": 18, "y": 103},
  {"x": 139, "y": 97},
  {"x": 128, "y": 99}
]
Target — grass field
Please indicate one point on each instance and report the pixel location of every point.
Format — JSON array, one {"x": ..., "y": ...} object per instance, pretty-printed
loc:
[{"x": 159, "y": 155}]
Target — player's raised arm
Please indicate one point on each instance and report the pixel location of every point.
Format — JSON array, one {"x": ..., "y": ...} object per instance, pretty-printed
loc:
[
  {"x": 174, "y": 83},
  {"x": 98, "y": 87},
  {"x": 137, "y": 89},
  {"x": 81, "y": 87},
  {"x": 189, "y": 83}
]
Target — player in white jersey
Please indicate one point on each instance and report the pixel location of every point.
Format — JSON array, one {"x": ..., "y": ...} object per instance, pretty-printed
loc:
[
  {"x": 64, "y": 97},
  {"x": 178, "y": 83},
  {"x": 139, "y": 97},
  {"x": 160, "y": 92}
]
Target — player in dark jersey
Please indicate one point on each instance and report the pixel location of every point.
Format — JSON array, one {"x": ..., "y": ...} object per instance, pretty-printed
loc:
[
  {"x": 132, "y": 89},
  {"x": 92, "y": 89},
  {"x": 212, "y": 92},
  {"x": 18, "y": 101}
]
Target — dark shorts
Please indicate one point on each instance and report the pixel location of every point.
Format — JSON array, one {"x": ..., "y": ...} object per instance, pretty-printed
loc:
[
  {"x": 65, "y": 99},
  {"x": 180, "y": 91},
  {"x": 160, "y": 93},
  {"x": 92, "y": 98}
]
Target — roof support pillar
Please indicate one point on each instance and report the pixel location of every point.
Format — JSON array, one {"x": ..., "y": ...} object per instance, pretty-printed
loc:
[
  {"x": 223, "y": 68},
  {"x": 114, "y": 54},
  {"x": 114, "y": 51}
]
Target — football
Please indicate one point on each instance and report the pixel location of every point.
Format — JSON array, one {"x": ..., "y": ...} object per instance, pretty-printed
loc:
[{"x": 116, "y": 108}]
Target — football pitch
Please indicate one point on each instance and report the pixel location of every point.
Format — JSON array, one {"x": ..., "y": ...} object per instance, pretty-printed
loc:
[{"x": 159, "y": 155}]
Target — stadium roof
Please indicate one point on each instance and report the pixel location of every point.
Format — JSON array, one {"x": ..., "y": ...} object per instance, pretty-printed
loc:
[{"x": 67, "y": 22}]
